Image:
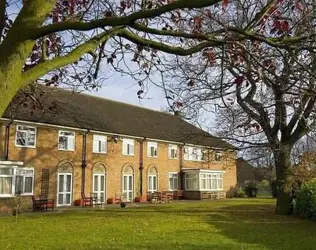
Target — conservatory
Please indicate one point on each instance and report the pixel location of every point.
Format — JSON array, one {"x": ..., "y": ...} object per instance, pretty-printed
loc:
[{"x": 203, "y": 184}]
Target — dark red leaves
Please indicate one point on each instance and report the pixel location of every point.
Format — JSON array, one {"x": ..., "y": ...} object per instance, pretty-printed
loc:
[{"x": 239, "y": 80}]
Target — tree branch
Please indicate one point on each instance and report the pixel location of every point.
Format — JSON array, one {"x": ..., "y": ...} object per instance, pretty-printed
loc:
[
  {"x": 165, "y": 47},
  {"x": 47, "y": 66},
  {"x": 2, "y": 15},
  {"x": 302, "y": 128},
  {"x": 120, "y": 21}
]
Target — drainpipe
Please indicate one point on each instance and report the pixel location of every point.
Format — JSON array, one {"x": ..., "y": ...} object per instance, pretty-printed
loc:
[
  {"x": 7, "y": 140},
  {"x": 181, "y": 166},
  {"x": 141, "y": 165},
  {"x": 84, "y": 161}
]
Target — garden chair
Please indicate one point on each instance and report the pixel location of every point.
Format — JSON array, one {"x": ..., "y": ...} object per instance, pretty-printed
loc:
[{"x": 86, "y": 201}]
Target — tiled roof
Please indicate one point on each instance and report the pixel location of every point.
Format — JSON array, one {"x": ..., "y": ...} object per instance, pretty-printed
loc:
[{"x": 66, "y": 108}]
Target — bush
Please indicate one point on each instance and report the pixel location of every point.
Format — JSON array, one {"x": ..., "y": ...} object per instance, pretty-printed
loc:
[
  {"x": 306, "y": 200},
  {"x": 251, "y": 189},
  {"x": 239, "y": 193}
]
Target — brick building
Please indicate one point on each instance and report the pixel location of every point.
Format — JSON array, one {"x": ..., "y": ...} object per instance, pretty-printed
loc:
[{"x": 76, "y": 143}]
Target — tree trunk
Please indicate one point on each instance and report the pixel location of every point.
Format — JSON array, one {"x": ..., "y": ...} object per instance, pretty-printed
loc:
[{"x": 284, "y": 188}]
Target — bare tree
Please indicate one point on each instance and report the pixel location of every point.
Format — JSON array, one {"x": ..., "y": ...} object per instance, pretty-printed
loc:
[
  {"x": 58, "y": 41},
  {"x": 264, "y": 94}
]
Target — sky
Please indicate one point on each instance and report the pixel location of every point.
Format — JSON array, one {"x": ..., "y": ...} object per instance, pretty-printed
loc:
[{"x": 124, "y": 89}]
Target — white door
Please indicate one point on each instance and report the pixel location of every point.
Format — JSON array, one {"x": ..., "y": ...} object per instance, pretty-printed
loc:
[
  {"x": 128, "y": 187},
  {"x": 99, "y": 186},
  {"x": 152, "y": 183},
  {"x": 64, "y": 197}
]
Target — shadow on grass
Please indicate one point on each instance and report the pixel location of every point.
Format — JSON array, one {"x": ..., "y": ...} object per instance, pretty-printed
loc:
[{"x": 253, "y": 224}]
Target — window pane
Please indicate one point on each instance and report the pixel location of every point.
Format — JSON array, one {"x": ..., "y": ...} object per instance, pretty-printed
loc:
[
  {"x": 60, "y": 199},
  {"x": 67, "y": 198},
  {"x": 6, "y": 171},
  {"x": 130, "y": 183},
  {"x": 61, "y": 183},
  {"x": 95, "y": 188},
  {"x": 28, "y": 185},
  {"x": 62, "y": 142},
  {"x": 68, "y": 183},
  {"x": 21, "y": 138},
  {"x": 19, "y": 184},
  {"x": 155, "y": 182},
  {"x": 31, "y": 139},
  {"x": 6, "y": 185},
  {"x": 124, "y": 182},
  {"x": 102, "y": 177}
]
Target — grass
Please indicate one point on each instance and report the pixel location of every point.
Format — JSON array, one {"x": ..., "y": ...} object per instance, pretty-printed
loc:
[{"x": 228, "y": 224}]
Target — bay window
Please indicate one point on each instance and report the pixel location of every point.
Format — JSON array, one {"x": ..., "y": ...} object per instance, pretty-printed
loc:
[
  {"x": 191, "y": 181},
  {"x": 204, "y": 180}
]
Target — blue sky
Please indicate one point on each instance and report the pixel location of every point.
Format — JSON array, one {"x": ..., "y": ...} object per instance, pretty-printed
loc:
[{"x": 124, "y": 89}]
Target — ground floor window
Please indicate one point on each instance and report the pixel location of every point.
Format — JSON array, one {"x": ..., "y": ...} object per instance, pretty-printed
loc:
[
  {"x": 197, "y": 180},
  {"x": 191, "y": 181},
  {"x": 152, "y": 179},
  {"x": 211, "y": 182},
  {"x": 15, "y": 180},
  {"x": 173, "y": 181}
]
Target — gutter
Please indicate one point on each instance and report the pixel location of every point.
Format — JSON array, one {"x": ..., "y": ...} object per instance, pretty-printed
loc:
[
  {"x": 7, "y": 140},
  {"x": 84, "y": 161},
  {"x": 141, "y": 165}
]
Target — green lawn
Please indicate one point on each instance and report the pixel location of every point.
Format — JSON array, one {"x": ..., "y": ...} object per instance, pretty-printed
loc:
[{"x": 228, "y": 224}]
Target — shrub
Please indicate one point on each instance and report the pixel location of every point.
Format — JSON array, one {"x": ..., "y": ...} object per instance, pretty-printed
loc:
[
  {"x": 239, "y": 193},
  {"x": 251, "y": 189},
  {"x": 306, "y": 200}
]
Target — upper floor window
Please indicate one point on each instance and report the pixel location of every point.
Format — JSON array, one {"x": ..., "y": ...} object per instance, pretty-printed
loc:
[
  {"x": 128, "y": 147},
  {"x": 193, "y": 153},
  {"x": 99, "y": 144},
  {"x": 152, "y": 149},
  {"x": 173, "y": 151},
  {"x": 218, "y": 156},
  {"x": 25, "y": 136},
  {"x": 66, "y": 140}
]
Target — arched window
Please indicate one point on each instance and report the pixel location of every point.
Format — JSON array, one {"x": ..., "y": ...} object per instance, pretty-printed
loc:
[
  {"x": 99, "y": 182},
  {"x": 64, "y": 188},
  {"x": 128, "y": 183},
  {"x": 152, "y": 179}
]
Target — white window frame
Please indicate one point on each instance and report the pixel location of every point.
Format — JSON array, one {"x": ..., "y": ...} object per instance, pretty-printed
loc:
[
  {"x": 196, "y": 177},
  {"x": 151, "y": 145},
  {"x": 175, "y": 148},
  {"x": 13, "y": 176},
  {"x": 97, "y": 144},
  {"x": 171, "y": 175},
  {"x": 193, "y": 153},
  {"x": 24, "y": 176},
  {"x": 130, "y": 147},
  {"x": 211, "y": 177},
  {"x": 68, "y": 136},
  {"x": 27, "y": 133}
]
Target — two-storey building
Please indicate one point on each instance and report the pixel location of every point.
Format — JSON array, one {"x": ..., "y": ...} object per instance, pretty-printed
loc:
[{"x": 61, "y": 144}]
